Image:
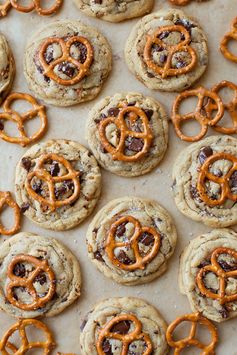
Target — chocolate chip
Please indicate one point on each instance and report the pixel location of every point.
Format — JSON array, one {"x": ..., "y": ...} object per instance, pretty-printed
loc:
[
  {"x": 83, "y": 50},
  {"x": 134, "y": 144},
  {"x": 227, "y": 267},
  {"x": 41, "y": 278},
  {"x": 1, "y": 126},
  {"x": 121, "y": 229},
  {"x": 107, "y": 347},
  {"x": 180, "y": 64},
  {"x": 113, "y": 111},
  {"x": 37, "y": 187},
  {"x": 67, "y": 69},
  {"x": 98, "y": 256},
  {"x": 149, "y": 113},
  {"x": 98, "y": 2},
  {"x": 205, "y": 153},
  {"x": 157, "y": 48},
  {"x": 186, "y": 23},
  {"x": 123, "y": 258},
  {"x": 121, "y": 327},
  {"x": 163, "y": 58},
  {"x": 24, "y": 207},
  {"x": 163, "y": 35},
  {"x": 19, "y": 270},
  {"x": 26, "y": 163},
  {"x": 54, "y": 169},
  {"x": 146, "y": 239},
  {"x": 224, "y": 313},
  {"x": 233, "y": 179}
]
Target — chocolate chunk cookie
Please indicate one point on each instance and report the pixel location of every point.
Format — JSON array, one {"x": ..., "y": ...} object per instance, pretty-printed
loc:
[{"x": 7, "y": 68}]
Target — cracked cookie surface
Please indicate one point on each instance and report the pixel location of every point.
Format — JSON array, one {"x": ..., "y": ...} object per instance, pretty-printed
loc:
[
  {"x": 82, "y": 162},
  {"x": 7, "y": 68},
  {"x": 64, "y": 264},
  {"x": 152, "y": 217}
]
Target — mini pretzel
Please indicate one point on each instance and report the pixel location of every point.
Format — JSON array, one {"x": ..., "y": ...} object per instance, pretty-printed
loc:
[
  {"x": 20, "y": 119},
  {"x": 83, "y": 68},
  {"x": 7, "y": 199},
  {"x": 26, "y": 345},
  {"x": 232, "y": 35},
  {"x": 41, "y": 266},
  {"x": 36, "y": 5},
  {"x": 203, "y": 118},
  {"x": 140, "y": 261},
  {"x": 182, "y": 46},
  {"x": 41, "y": 173},
  {"x": 133, "y": 114},
  {"x": 4, "y": 8},
  {"x": 222, "y": 275},
  {"x": 195, "y": 319},
  {"x": 180, "y": 2},
  {"x": 126, "y": 339},
  {"x": 230, "y": 107},
  {"x": 223, "y": 181}
]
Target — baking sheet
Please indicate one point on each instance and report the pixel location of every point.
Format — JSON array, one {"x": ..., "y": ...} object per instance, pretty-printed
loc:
[{"x": 215, "y": 17}]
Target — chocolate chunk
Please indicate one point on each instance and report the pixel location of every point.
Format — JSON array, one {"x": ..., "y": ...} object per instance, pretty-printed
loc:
[
  {"x": 113, "y": 111},
  {"x": 1, "y": 126},
  {"x": 121, "y": 229},
  {"x": 24, "y": 207},
  {"x": 98, "y": 256},
  {"x": 49, "y": 55},
  {"x": 67, "y": 69},
  {"x": 227, "y": 267},
  {"x": 205, "y": 153},
  {"x": 82, "y": 48},
  {"x": 123, "y": 258},
  {"x": 157, "y": 48},
  {"x": 83, "y": 324},
  {"x": 224, "y": 313},
  {"x": 19, "y": 270},
  {"x": 134, "y": 144},
  {"x": 149, "y": 113},
  {"x": 186, "y": 23},
  {"x": 59, "y": 191},
  {"x": 163, "y": 35},
  {"x": 47, "y": 79},
  {"x": 146, "y": 239},
  {"x": 204, "y": 263},
  {"x": 41, "y": 278},
  {"x": 233, "y": 179},
  {"x": 54, "y": 169},
  {"x": 133, "y": 103},
  {"x": 107, "y": 347},
  {"x": 37, "y": 187},
  {"x": 218, "y": 173},
  {"x": 26, "y": 163},
  {"x": 163, "y": 58},
  {"x": 98, "y": 2},
  {"x": 121, "y": 327},
  {"x": 180, "y": 64},
  {"x": 150, "y": 75},
  {"x": 194, "y": 192}
]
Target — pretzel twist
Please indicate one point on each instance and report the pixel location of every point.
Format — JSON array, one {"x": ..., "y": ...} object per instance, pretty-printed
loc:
[
  {"x": 20, "y": 119},
  {"x": 202, "y": 114},
  {"x": 42, "y": 174},
  {"x": 230, "y": 36},
  {"x": 182, "y": 46},
  {"x": 195, "y": 319},
  {"x": 126, "y": 339},
  {"x": 140, "y": 261},
  {"x": 223, "y": 181},
  {"x": 26, "y": 345},
  {"x": 82, "y": 68},
  {"x": 133, "y": 114},
  {"x": 36, "y": 5},
  {"x": 4, "y": 8},
  {"x": 7, "y": 199},
  {"x": 222, "y": 275},
  {"x": 230, "y": 107},
  {"x": 41, "y": 266},
  {"x": 180, "y": 2}
]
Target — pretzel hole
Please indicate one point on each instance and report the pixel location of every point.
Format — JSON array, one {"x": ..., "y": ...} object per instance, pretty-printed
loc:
[
  {"x": 7, "y": 217},
  {"x": 232, "y": 46},
  {"x": 137, "y": 347},
  {"x": 21, "y": 106},
  {"x": 227, "y": 94},
  {"x": 188, "y": 105},
  {"x": 159, "y": 55},
  {"x": 22, "y": 295},
  {"x": 25, "y": 3},
  {"x": 171, "y": 38},
  {"x": 125, "y": 255},
  {"x": 10, "y": 128},
  {"x": 227, "y": 262},
  {"x": 66, "y": 70},
  {"x": 190, "y": 128},
  {"x": 211, "y": 282},
  {"x": 32, "y": 126},
  {"x": 180, "y": 60},
  {"x": 182, "y": 331},
  {"x": 112, "y": 133},
  {"x": 145, "y": 243},
  {"x": 46, "y": 4},
  {"x": 124, "y": 232},
  {"x": 213, "y": 189},
  {"x": 111, "y": 346},
  {"x": 53, "y": 52},
  {"x": 78, "y": 51}
]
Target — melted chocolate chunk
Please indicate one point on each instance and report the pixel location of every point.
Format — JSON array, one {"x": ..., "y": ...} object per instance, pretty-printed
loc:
[
  {"x": 131, "y": 103},
  {"x": 224, "y": 313},
  {"x": 19, "y": 270},
  {"x": 26, "y": 163},
  {"x": 233, "y": 179},
  {"x": 98, "y": 256},
  {"x": 204, "y": 154},
  {"x": 164, "y": 35},
  {"x": 134, "y": 144},
  {"x": 150, "y": 75},
  {"x": 157, "y": 48},
  {"x": 107, "y": 347},
  {"x": 37, "y": 187},
  {"x": 186, "y": 23},
  {"x": 180, "y": 64},
  {"x": 59, "y": 191},
  {"x": 204, "y": 263},
  {"x": 113, "y": 111},
  {"x": 67, "y": 69},
  {"x": 194, "y": 192},
  {"x": 121, "y": 327},
  {"x": 49, "y": 55},
  {"x": 83, "y": 51},
  {"x": 24, "y": 207},
  {"x": 123, "y": 258},
  {"x": 227, "y": 267},
  {"x": 54, "y": 169},
  {"x": 163, "y": 58},
  {"x": 121, "y": 229},
  {"x": 98, "y": 2},
  {"x": 1, "y": 126},
  {"x": 83, "y": 324},
  {"x": 149, "y": 113},
  {"x": 41, "y": 278},
  {"x": 146, "y": 239}
]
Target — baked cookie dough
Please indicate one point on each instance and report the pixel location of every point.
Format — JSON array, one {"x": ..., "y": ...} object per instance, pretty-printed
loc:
[
  {"x": 114, "y": 11},
  {"x": 143, "y": 142},
  {"x": 197, "y": 256},
  {"x": 7, "y": 68},
  {"x": 65, "y": 267},
  {"x": 127, "y": 224},
  {"x": 186, "y": 173},
  {"x": 67, "y": 62},
  {"x": 167, "y": 51},
  {"x": 71, "y": 173},
  {"x": 122, "y": 316}
]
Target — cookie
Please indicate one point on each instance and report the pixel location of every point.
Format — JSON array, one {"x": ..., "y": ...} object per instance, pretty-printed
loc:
[
  {"x": 107, "y": 326},
  {"x": 204, "y": 257},
  {"x": 144, "y": 138},
  {"x": 57, "y": 184},
  {"x": 112, "y": 11},
  {"x": 125, "y": 225},
  {"x": 167, "y": 51},
  {"x": 38, "y": 276},
  {"x": 205, "y": 181},
  {"x": 7, "y": 68},
  {"x": 67, "y": 63}
]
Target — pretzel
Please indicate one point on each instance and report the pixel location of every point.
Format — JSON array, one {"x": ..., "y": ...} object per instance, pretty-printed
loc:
[
  {"x": 141, "y": 261},
  {"x": 223, "y": 181},
  {"x": 26, "y": 345},
  {"x": 182, "y": 46},
  {"x": 133, "y": 113},
  {"x": 7, "y": 199},
  {"x": 126, "y": 339},
  {"x": 222, "y": 275},
  {"x": 82, "y": 68},
  {"x": 230, "y": 107},
  {"x": 232, "y": 35},
  {"x": 203, "y": 118},
  {"x": 180, "y": 2},
  {"x": 36, "y": 5},
  {"x": 41, "y": 173},
  {"x": 20, "y": 119},
  {"x": 41, "y": 266},
  {"x": 195, "y": 319},
  {"x": 4, "y": 8}
]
